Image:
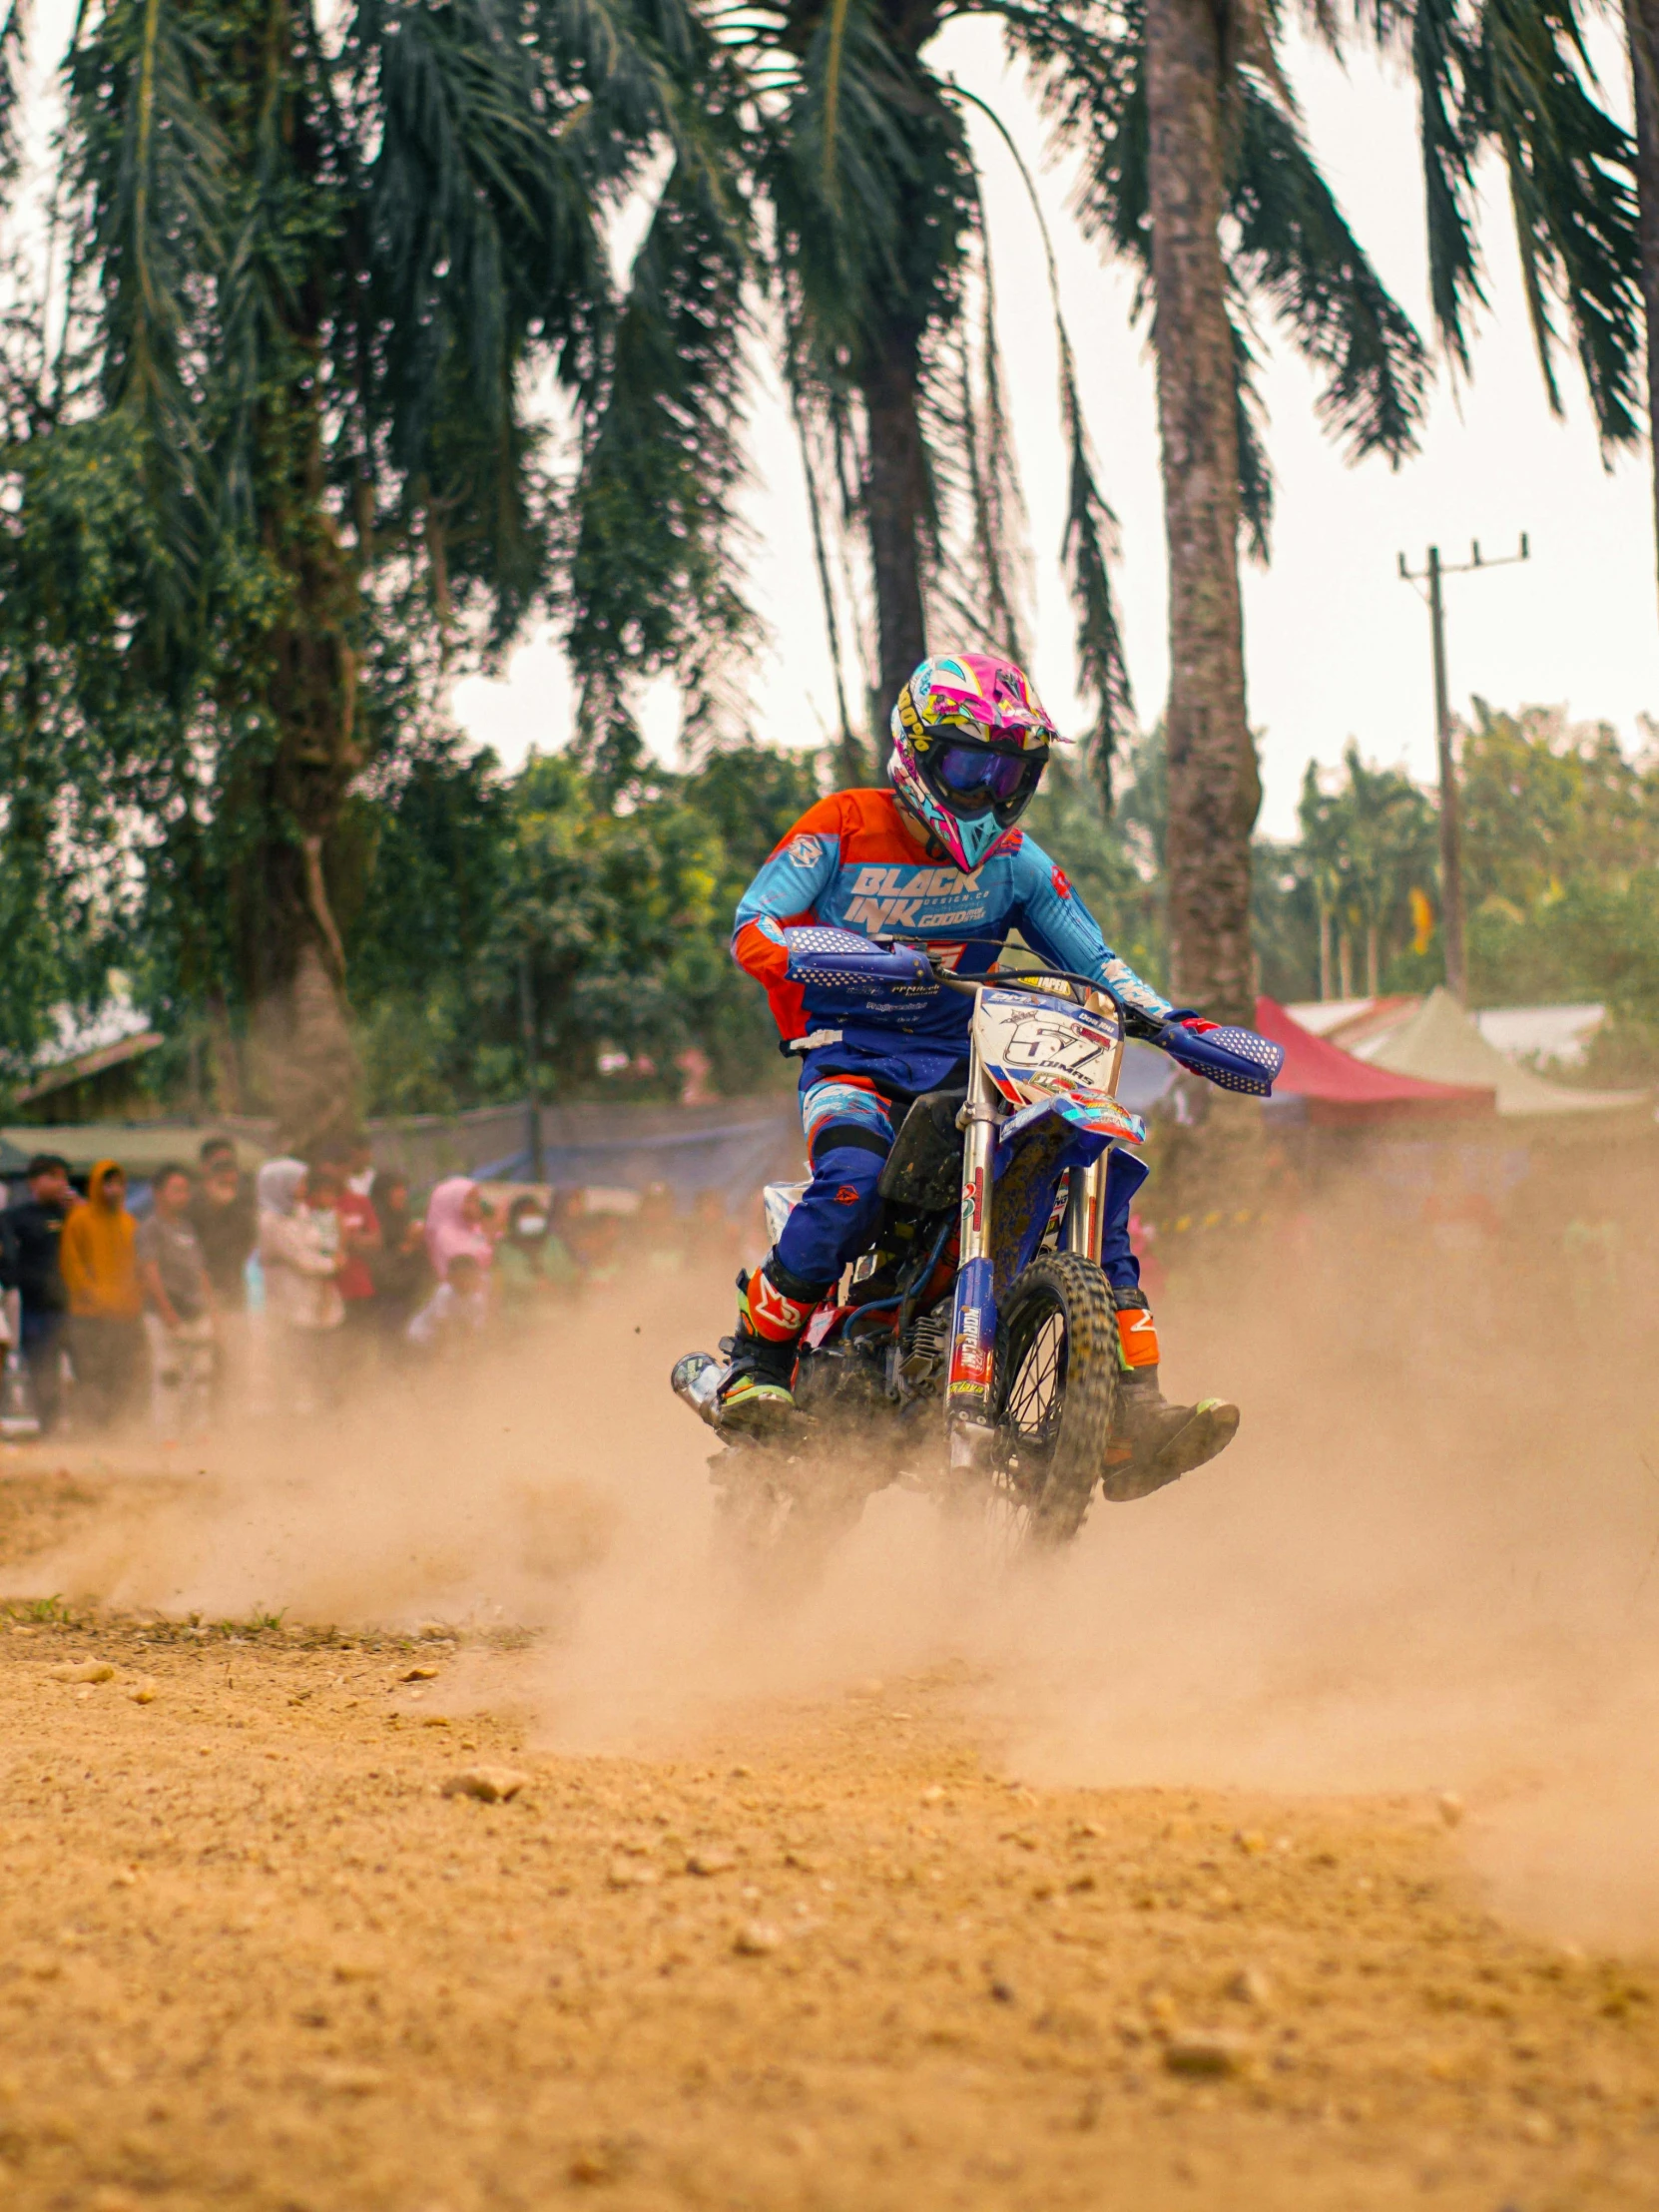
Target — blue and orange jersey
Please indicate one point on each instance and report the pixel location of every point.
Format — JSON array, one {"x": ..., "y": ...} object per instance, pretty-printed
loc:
[{"x": 855, "y": 861}]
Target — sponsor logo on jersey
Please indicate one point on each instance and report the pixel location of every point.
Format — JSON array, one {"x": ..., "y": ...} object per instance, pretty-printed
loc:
[
  {"x": 1062, "y": 887},
  {"x": 880, "y": 899},
  {"x": 805, "y": 852}
]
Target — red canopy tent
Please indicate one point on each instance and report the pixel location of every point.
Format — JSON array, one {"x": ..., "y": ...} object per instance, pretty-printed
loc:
[{"x": 1339, "y": 1091}]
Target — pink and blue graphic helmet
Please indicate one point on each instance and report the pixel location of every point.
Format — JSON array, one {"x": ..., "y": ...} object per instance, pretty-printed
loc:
[{"x": 970, "y": 742}]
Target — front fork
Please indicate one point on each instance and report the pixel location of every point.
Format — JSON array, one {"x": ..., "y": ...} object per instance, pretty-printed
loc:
[
  {"x": 973, "y": 1317},
  {"x": 1086, "y": 1207}
]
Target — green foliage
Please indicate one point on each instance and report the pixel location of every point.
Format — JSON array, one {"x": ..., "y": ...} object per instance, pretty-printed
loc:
[
  {"x": 619, "y": 919},
  {"x": 1560, "y": 878}
]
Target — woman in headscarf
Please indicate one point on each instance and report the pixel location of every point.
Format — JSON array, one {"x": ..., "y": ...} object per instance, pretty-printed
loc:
[
  {"x": 400, "y": 1268},
  {"x": 299, "y": 1252},
  {"x": 454, "y": 1225}
]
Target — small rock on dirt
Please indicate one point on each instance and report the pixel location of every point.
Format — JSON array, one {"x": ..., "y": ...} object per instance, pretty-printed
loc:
[
  {"x": 84, "y": 1670},
  {"x": 1212, "y": 2053},
  {"x": 419, "y": 1673},
  {"x": 1449, "y": 1805},
  {"x": 1250, "y": 1985},
  {"x": 630, "y": 1874},
  {"x": 493, "y": 1785},
  {"x": 715, "y": 1859},
  {"x": 143, "y": 1693},
  {"x": 754, "y": 1939}
]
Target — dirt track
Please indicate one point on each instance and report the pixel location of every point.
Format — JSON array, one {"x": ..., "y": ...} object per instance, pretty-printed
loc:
[{"x": 251, "y": 1954}]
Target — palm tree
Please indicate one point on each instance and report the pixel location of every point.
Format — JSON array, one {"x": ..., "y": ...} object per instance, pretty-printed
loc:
[
  {"x": 274, "y": 466},
  {"x": 872, "y": 273},
  {"x": 1196, "y": 174}
]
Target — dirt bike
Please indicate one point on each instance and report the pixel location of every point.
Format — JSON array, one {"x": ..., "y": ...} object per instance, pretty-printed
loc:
[{"x": 981, "y": 1298}]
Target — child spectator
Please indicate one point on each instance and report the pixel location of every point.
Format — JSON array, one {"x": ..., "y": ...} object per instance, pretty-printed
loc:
[
  {"x": 458, "y": 1307},
  {"x": 106, "y": 1304},
  {"x": 178, "y": 1316}
]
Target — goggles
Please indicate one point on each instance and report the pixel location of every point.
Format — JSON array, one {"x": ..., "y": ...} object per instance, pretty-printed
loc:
[{"x": 973, "y": 772}]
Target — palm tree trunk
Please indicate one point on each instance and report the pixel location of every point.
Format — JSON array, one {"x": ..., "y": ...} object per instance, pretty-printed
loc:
[
  {"x": 1213, "y": 787},
  {"x": 1641, "y": 23},
  {"x": 895, "y": 507},
  {"x": 1325, "y": 979},
  {"x": 1345, "y": 966},
  {"x": 309, "y": 667},
  {"x": 1373, "y": 960}
]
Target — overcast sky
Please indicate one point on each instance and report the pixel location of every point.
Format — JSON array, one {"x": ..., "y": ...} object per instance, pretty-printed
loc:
[{"x": 1337, "y": 645}]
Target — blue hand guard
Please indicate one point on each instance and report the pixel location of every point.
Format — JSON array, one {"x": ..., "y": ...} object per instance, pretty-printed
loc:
[
  {"x": 841, "y": 960},
  {"x": 1234, "y": 1059}
]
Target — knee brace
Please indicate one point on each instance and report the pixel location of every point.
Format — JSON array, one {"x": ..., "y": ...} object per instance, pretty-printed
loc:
[{"x": 835, "y": 1220}]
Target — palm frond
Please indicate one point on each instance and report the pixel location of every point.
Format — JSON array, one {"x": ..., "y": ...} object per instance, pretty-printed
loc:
[
  {"x": 1294, "y": 247},
  {"x": 1251, "y": 417},
  {"x": 148, "y": 185},
  {"x": 655, "y": 532},
  {"x": 1570, "y": 168}
]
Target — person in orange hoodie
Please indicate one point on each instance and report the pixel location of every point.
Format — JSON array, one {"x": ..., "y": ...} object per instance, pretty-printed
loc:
[{"x": 106, "y": 1299}]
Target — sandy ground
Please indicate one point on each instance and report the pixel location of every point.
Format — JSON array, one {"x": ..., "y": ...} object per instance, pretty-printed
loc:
[{"x": 1291, "y": 1844}]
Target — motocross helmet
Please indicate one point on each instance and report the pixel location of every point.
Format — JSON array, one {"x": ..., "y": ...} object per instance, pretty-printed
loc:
[{"x": 970, "y": 742}]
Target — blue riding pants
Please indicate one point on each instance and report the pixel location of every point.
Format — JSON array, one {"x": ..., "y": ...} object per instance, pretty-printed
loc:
[{"x": 851, "y": 1127}]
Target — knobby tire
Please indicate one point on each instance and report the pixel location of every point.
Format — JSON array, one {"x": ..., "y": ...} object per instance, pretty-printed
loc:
[{"x": 1056, "y": 1392}]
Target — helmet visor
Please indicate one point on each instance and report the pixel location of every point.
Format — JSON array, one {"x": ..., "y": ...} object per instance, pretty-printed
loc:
[{"x": 972, "y": 772}]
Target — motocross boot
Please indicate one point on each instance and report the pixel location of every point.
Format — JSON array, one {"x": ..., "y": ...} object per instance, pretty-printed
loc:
[
  {"x": 1153, "y": 1442},
  {"x": 771, "y": 1317}
]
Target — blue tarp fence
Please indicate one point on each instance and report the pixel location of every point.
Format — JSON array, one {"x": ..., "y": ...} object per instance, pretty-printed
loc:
[{"x": 732, "y": 1146}]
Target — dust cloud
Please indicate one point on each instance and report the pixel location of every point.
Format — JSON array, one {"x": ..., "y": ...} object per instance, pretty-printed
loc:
[{"x": 1431, "y": 1563}]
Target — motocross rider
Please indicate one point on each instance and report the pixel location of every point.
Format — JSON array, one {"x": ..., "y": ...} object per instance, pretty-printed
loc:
[{"x": 937, "y": 858}]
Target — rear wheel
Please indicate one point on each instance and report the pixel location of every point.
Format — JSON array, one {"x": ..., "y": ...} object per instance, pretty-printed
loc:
[{"x": 1055, "y": 1396}]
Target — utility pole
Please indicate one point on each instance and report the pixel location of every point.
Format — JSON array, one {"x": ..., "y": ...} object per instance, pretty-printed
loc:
[
  {"x": 533, "y": 1069},
  {"x": 1451, "y": 831}
]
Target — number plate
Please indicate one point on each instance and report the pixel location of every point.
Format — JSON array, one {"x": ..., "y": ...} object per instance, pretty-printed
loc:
[{"x": 1034, "y": 1048}]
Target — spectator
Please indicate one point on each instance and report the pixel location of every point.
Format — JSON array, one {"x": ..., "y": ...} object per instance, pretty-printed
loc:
[
  {"x": 299, "y": 1252},
  {"x": 532, "y": 1259},
  {"x": 100, "y": 1273},
  {"x": 226, "y": 1224},
  {"x": 359, "y": 1236},
  {"x": 178, "y": 1313},
  {"x": 224, "y": 1217},
  {"x": 30, "y": 1232},
  {"x": 454, "y": 1225},
  {"x": 459, "y": 1305},
  {"x": 400, "y": 1266},
  {"x": 359, "y": 1165}
]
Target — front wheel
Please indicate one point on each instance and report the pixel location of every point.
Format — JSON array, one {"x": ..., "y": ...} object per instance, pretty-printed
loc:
[{"x": 1055, "y": 1396}]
